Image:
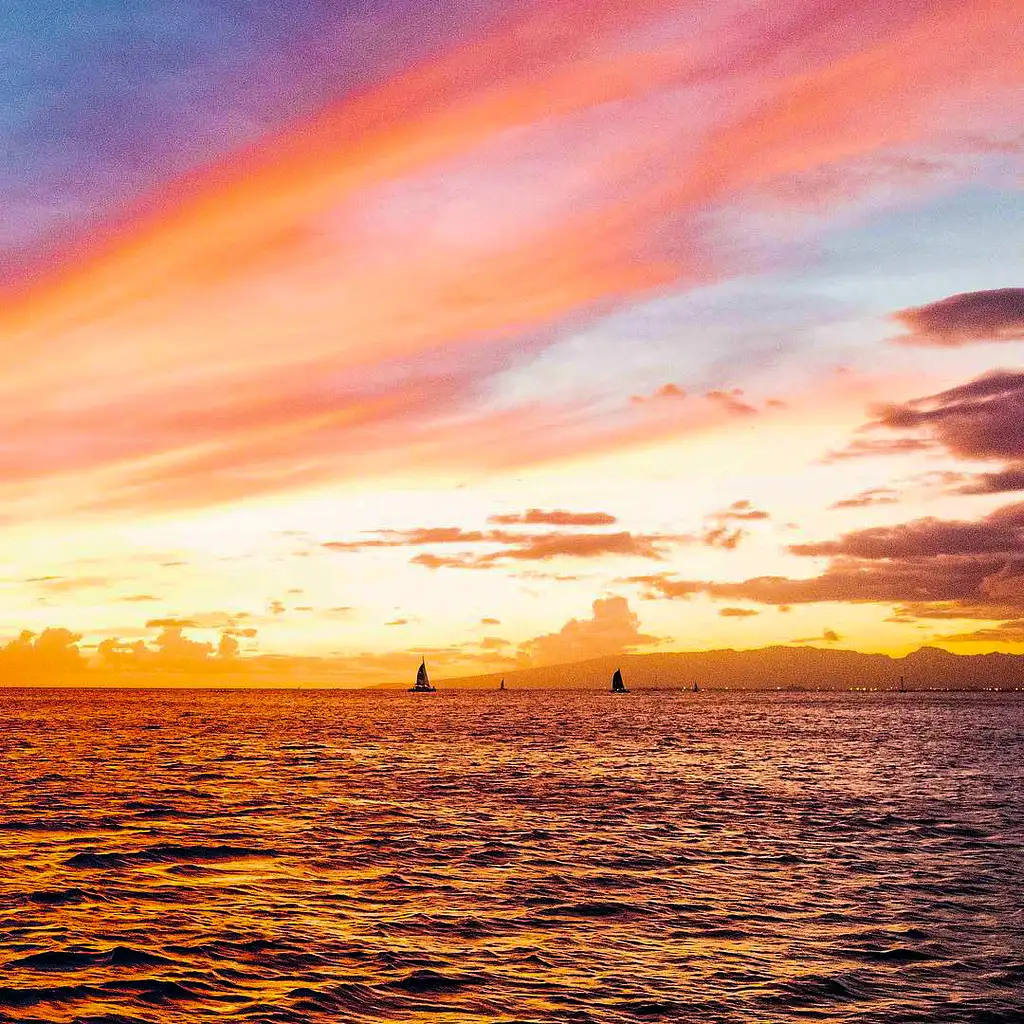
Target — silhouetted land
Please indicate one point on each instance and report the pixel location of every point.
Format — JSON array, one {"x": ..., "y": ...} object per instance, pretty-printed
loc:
[{"x": 769, "y": 668}]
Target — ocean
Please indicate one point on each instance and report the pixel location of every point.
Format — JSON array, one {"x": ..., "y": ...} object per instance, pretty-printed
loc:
[{"x": 527, "y": 856}]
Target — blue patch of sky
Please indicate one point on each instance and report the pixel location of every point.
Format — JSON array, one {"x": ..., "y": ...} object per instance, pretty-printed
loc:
[
  {"x": 828, "y": 305},
  {"x": 102, "y": 100}
]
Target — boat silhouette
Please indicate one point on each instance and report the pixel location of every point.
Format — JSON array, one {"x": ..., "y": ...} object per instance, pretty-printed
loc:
[
  {"x": 422, "y": 682},
  {"x": 502, "y": 687},
  {"x": 696, "y": 688},
  {"x": 618, "y": 686}
]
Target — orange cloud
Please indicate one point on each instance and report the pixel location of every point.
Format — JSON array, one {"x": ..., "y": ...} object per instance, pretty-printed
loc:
[
  {"x": 613, "y": 629},
  {"x": 558, "y": 517},
  {"x": 235, "y": 322}
]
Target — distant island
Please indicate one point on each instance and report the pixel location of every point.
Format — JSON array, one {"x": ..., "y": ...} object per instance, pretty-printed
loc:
[{"x": 769, "y": 668}]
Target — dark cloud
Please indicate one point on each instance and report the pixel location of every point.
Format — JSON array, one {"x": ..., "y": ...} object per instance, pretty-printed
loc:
[
  {"x": 1011, "y": 632},
  {"x": 926, "y": 569},
  {"x": 1005, "y": 481},
  {"x": 965, "y": 319},
  {"x": 983, "y": 419},
  {"x": 854, "y": 581},
  {"x": 1002, "y": 531},
  {"x": 556, "y": 517}
]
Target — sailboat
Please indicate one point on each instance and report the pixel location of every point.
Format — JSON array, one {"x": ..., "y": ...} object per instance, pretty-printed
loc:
[
  {"x": 696, "y": 688},
  {"x": 502, "y": 687},
  {"x": 618, "y": 686},
  {"x": 903, "y": 689},
  {"x": 422, "y": 682}
]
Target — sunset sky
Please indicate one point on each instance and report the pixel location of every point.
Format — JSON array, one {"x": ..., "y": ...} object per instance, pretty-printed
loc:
[{"x": 509, "y": 333}]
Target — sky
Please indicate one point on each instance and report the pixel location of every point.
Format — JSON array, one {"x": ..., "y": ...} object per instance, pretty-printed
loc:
[{"x": 338, "y": 335}]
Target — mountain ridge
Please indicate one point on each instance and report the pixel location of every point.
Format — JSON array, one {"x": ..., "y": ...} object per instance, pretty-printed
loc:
[{"x": 777, "y": 667}]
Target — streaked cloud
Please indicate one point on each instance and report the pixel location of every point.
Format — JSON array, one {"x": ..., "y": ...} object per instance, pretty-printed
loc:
[{"x": 965, "y": 319}]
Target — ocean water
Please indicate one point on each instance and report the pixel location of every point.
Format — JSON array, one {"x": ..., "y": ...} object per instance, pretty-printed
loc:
[{"x": 526, "y": 856}]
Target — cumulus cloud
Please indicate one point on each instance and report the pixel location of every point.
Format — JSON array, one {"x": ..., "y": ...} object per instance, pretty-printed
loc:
[
  {"x": 227, "y": 647},
  {"x": 172, "y": 650},
  {"x": 613, "y": 628},
  {"x": 174, "y": 646},
  {"x": 965, "y": 319},
  {"x": 51, "y": 652}
]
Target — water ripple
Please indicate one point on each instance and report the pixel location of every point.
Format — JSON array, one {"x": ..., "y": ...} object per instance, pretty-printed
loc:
[{"x": 524, "y": 857}]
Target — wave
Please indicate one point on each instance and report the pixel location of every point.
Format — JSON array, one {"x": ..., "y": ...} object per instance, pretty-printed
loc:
[
  {"x": 78, "y": 960},
  {"x": 168, "y": 853}
]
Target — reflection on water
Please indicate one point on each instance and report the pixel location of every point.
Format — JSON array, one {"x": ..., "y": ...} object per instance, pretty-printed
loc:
[{"x": 544, "y": 856}]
